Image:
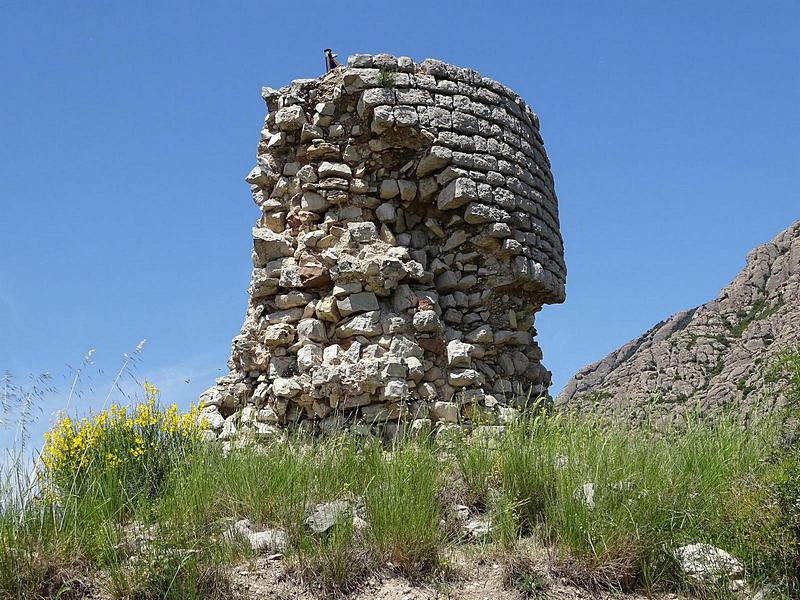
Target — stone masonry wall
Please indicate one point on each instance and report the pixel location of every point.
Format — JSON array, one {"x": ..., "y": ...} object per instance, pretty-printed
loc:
[{"x": 408, "y": 235}]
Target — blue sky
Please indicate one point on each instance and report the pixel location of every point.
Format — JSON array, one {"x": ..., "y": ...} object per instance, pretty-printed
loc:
[{"x": 126, "y": 130}]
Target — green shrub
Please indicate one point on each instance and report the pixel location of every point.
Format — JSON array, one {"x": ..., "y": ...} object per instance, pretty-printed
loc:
[
  {"x": 126, "y": 453},
  {"x": 528, "y": 468}
]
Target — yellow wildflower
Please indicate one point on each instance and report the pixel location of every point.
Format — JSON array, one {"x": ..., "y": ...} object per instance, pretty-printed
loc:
[{"x": 116, "y": 437}]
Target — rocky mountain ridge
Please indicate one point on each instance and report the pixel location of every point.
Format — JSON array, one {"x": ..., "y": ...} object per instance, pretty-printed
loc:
[{"x": 709, "y": 357}]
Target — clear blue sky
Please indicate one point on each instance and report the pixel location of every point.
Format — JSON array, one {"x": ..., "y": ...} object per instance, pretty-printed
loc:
[{"x": 126, "y": 130}]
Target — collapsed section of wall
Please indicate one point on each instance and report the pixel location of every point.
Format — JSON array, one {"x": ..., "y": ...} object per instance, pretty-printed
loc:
[{"x": 408, "y": 235}]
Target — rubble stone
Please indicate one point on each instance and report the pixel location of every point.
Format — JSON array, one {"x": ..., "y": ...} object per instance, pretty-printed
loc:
[
  {"x": 408, "y": 234},
  {"x": 357, "y": 303},
  {"x": 290, "y": 118}
]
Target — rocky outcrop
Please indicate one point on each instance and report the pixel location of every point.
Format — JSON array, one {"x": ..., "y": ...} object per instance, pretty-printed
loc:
[
  {"x": 708, "y": 357},
  {"x": 408, "y": 234}
]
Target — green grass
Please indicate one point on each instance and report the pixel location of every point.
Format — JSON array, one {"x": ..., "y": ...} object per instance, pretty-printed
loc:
[
  {"x": 709, "y": 481},
  {"x": 653, "y": 491},
  {"x": 387, "y": 77}
]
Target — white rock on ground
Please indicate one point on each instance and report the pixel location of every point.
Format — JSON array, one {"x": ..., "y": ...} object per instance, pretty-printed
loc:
[
  {"x": 585, "y": 493},
  {"x": 272, "y": 540},
  {"x": 708, "y": 564},
  {"x": 478, "y": 528},
  {"x": 325, "y": 515}
]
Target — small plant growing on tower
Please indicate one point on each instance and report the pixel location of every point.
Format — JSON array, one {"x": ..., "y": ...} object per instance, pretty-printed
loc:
[
  {"x": 387, "y": 77},
  {"x": 137, "y": 446}
]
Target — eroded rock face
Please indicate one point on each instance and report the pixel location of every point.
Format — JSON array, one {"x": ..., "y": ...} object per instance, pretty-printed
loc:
[
  {"x": 707, "y": 358},
  {"x": 408, "y": 234}
]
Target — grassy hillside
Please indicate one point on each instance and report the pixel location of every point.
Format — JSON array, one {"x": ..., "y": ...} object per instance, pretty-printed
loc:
[{"x": 130, "y": 503}]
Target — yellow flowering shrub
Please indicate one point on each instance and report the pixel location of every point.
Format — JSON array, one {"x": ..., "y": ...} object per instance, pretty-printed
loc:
[{"x": 137, "y": 445}]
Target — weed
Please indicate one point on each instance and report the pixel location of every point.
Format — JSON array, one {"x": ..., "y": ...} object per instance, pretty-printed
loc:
[
  {"x": 338, "y": 561},
  {"x": 402, "y": 508},
  {"x": 387, "y": 77},
  {"x": 131, "y": 450},
  {"x": 607, "y": 571},
  {"x": 477, "y": 463},
  {"x": 163, "y": 574},
  {"x": 30, "y": 573},
  {"x": 526, "y": 579}
]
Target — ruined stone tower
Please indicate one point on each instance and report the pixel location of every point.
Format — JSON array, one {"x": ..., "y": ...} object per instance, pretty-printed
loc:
[{"x": 408, "y": 235}]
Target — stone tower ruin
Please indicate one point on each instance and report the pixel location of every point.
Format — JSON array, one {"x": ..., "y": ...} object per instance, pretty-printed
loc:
[{"x": 408, "y": 234}]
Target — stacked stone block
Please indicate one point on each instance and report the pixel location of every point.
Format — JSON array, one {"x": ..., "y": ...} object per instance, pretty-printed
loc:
[{"x": 408, "y": 235}]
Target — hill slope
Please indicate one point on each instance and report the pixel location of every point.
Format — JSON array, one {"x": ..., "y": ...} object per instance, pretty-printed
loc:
[{"x": 710, "y": 356}]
